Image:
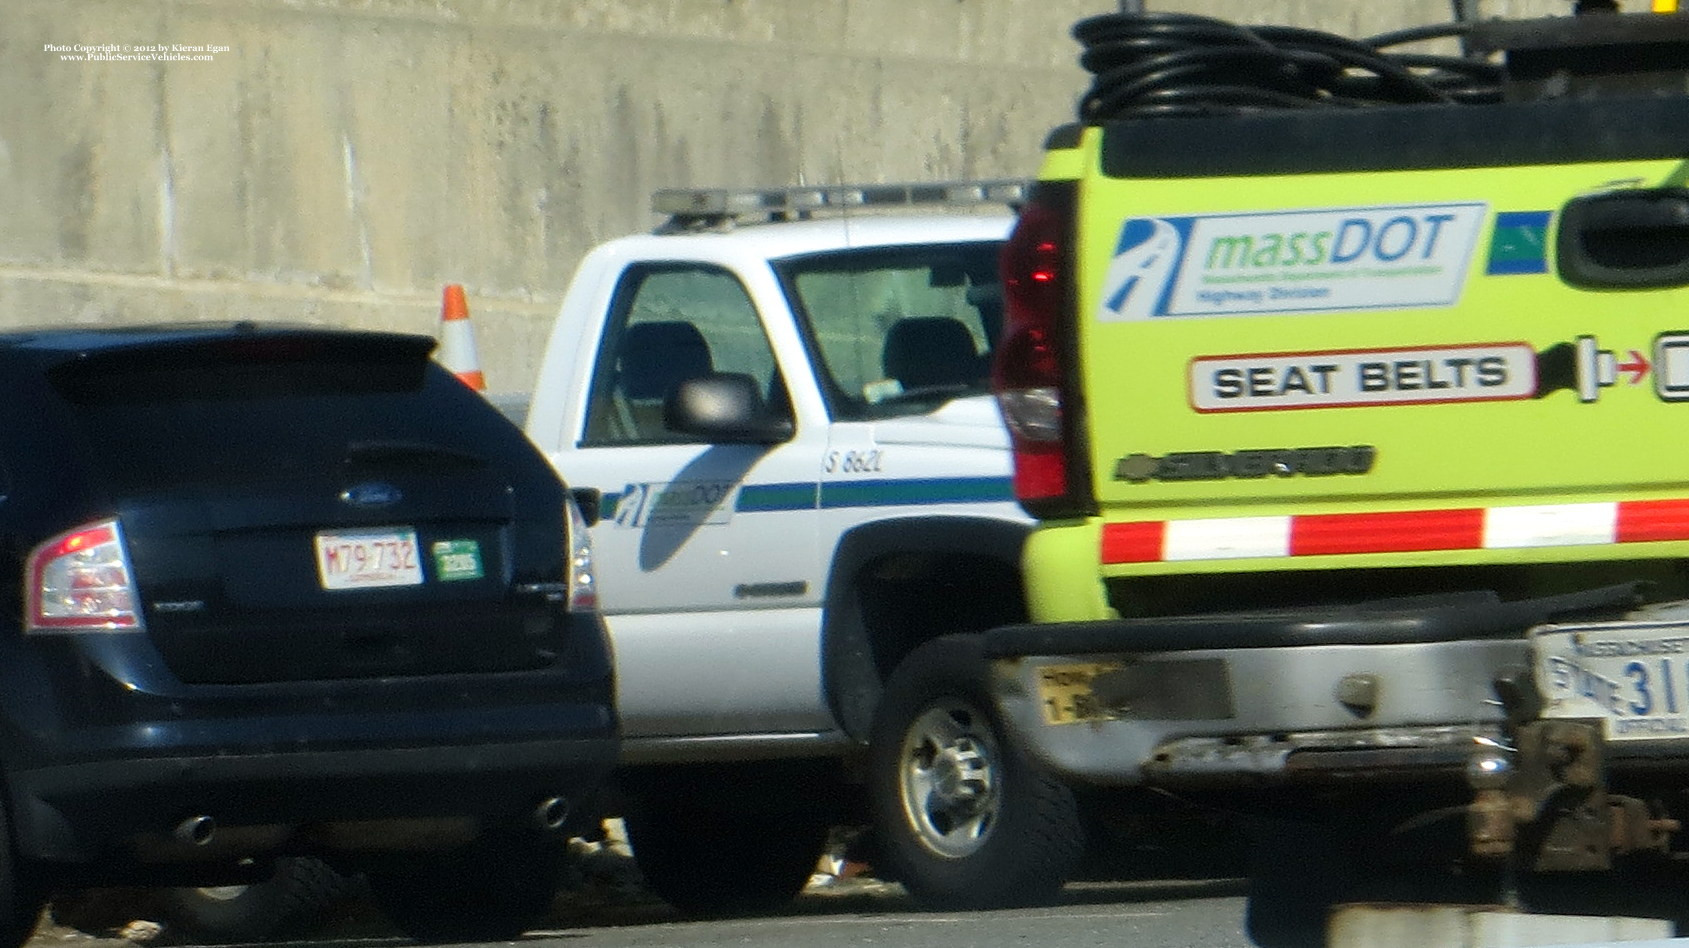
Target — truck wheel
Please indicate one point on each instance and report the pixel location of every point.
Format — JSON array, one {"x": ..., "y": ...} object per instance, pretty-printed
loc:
[
  {"x": 296, "y": 897},
  {"x": 1298, "y": 871},
  {"x": 21, "y": 898},
  {"x": 711, "y": 862},
  {"x": 492, "y": 890},
  {"x": 962, "y": 817},
  {"x": 1283, "y": 915}
]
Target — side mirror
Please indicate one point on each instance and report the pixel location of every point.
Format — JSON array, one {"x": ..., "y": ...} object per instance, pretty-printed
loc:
[
  {"x": 724, "y": 407},
  {"x": 590, "y": 502}
]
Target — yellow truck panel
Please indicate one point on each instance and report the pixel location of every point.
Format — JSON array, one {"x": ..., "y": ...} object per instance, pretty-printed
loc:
[{"x": 1410, "y": 314}]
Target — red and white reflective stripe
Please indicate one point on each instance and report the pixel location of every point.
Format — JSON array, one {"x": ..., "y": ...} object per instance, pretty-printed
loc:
[{"x": 1408, "y": 531}]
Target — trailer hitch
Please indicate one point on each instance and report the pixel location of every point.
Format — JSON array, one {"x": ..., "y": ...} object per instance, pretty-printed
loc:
[{"x": 1542, "y": 802}]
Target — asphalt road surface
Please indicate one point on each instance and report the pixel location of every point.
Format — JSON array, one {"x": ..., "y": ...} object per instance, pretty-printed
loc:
[
  {"x": 1174, "y": 914},
  {"x": 1146, "y": 914},
  {"x": 1150, "y": 915}
]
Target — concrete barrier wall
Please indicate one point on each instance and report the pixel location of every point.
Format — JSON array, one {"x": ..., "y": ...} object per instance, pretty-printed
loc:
[{"x": 338, "y": 161}]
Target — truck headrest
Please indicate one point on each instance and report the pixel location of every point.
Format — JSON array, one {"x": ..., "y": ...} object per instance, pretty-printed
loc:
[
  {"x": 922, "y": 351},
  {"x": 655, "y": 357}
]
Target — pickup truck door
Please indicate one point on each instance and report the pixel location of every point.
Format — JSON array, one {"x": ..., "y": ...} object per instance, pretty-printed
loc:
[{"x": 706, "y": 554}]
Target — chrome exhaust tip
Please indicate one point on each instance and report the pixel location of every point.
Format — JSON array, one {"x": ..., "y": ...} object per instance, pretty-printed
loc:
[
  {"x": 196, "y": 830},
  {"x": 551, "y": 813}
]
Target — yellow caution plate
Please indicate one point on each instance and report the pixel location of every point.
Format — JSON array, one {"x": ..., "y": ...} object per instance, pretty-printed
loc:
[{"x": 1064, "y": 692}]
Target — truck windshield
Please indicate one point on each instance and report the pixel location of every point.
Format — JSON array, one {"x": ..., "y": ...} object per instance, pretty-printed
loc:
[{"x": 898, "y": 330}]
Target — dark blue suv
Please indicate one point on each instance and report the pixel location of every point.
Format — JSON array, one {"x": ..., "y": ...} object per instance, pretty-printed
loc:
[{"x": 286, "y": 590}]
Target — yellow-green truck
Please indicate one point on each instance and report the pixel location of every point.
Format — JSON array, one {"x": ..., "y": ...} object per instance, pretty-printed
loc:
[{"x": 1350, "y": 391}]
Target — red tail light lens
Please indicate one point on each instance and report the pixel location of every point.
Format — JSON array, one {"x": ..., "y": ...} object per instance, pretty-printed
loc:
[
  {"x": 1028, "y": 375},
  {"x": 82, "y": 580}
]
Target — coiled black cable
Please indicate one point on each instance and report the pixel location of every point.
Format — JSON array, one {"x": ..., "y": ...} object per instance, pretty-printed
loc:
[{"x": 1147, "y": 64}]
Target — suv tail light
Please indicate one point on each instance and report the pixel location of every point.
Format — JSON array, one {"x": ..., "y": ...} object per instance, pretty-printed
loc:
[
  {"x": 82, "y": 580},
  {"x": 1030, "y": 372},
  {"x": 583, "y": 584}
]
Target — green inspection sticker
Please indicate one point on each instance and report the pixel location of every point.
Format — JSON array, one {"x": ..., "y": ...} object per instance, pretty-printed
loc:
[{"x": 456, "y": 559}]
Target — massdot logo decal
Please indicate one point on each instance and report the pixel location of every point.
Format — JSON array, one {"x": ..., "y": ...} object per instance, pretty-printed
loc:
[
  {"x": 1395, "y": 257},
  {"x": 684, "y": 503},
  {"x": 1144, "y": 266}
]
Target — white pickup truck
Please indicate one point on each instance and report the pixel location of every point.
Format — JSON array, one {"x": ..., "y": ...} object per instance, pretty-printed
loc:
[{"x": 782, "y": 398}]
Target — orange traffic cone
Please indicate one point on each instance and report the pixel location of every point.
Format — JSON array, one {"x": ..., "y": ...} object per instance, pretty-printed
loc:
[{"x": 457, "y": 340}]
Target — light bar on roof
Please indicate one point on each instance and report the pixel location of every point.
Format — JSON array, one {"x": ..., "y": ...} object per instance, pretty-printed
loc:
[{"x": 704, "y": 203}]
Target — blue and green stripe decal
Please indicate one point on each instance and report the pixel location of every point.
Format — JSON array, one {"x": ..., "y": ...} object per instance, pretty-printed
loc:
[
  {"x": 908, "y": 492},
  {"x": 1519, "y": 243},
  {"x": 756, "y": 498}
]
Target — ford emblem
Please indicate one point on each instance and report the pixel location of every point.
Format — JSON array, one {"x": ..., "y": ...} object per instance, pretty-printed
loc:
[{"x": 370, "y": 494}]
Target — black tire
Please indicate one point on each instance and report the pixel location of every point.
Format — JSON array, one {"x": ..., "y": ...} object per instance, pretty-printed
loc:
[
  {"x": 102, "y": 911},
  {"x": 21, "y": 898},
  {"x": 296, "y": 898},
  {"x": 1286, "y": 915},
  {"x": 493, "y": 890},
  {"x": 1298, "y": 872},
  {"x": 714, "y": 861},
  {"x": 962, "y": 817}
]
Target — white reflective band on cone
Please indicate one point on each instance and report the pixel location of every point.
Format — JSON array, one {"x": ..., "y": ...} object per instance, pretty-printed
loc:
[{"x": 457, "y": 340}]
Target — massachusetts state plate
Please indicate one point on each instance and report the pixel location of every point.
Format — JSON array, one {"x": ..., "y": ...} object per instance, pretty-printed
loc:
[
  {"x": 364, "y": 559},
  {"x": 1635, "y": 675}
]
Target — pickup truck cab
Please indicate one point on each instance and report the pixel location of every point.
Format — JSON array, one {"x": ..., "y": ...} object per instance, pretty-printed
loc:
[
  {"x": 782, "y": 398},
  {"x": 1340, "y": 425}
]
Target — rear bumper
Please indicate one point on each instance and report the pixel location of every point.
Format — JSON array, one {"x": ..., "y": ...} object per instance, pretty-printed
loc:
[
  {"x": 1215, "y": 717},
  {"x": 1384, "y": 690},
  {"x": 1220, "y": 718},
  {"x": 126, "y": 809},
  {"x": 105, "y": 753}
]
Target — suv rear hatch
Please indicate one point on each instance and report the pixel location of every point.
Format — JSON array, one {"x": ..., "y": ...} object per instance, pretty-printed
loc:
[{"x": 302, "y": 505}]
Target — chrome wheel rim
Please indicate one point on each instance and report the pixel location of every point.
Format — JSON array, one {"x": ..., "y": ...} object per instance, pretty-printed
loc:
[{"x": 949, "y": 778}]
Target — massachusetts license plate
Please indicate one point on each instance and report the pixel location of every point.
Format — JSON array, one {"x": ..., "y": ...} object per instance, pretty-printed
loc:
[
  {"x": 367, "y": 559},
  {"x": 1064, "y": 693},
  {"x": 1635, "y": 675}
]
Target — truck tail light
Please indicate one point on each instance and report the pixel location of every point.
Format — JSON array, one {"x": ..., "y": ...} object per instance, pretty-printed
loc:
[
  {"x": 81, "y": 580},
  {"x": 1032, "y": 367},
  {"x": 582, "y": 581}
]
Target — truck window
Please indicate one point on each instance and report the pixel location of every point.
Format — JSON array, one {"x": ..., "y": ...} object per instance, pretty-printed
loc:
[
  {"x": 898, "y": 330},
  {"x": 670, "y": 323}
]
